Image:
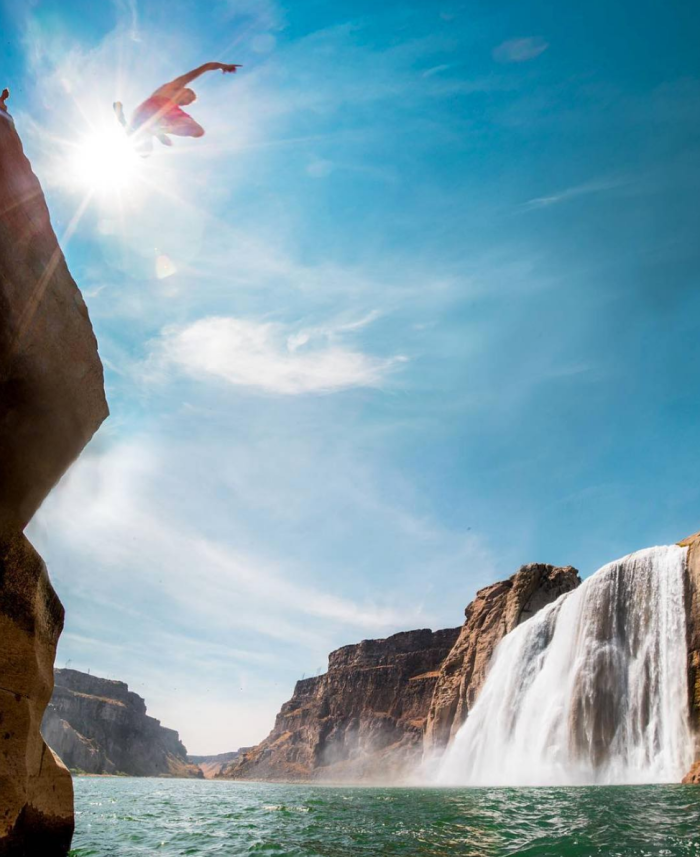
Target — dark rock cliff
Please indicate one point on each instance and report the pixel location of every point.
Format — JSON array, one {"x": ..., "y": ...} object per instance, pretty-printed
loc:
[
  {"x": 363, "y": 719},
  {"x": 101, "y": 727},
  {"x": 51, "y": 403},
  {"x": 495, "y": 611}
]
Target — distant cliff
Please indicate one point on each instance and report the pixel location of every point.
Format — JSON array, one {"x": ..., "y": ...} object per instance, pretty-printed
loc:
[
  {"x": 51, "y": 403},
  {"x": 382, "y": 703},
  {"x": 495, "y": 611},
  {"x": 212, "y": 766},
  {"x": 363, "y": 719},
  {"x": 101, "y": 727}
]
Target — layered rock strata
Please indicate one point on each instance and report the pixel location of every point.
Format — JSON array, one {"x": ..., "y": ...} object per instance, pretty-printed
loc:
[
  {"x": 99, "y": 726},
  {"x": 495, "y": 611},
  {"x": 51, "y": 403},
  {"x": 692, "y": 608},
  {"x": 363, "y": 719}
]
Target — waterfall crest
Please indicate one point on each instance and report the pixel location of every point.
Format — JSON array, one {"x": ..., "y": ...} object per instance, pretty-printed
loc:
[{"x": 592, "y": 689}]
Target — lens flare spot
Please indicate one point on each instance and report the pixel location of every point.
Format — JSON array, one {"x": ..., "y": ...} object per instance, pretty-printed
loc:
[{"x": 165, "y": 267}]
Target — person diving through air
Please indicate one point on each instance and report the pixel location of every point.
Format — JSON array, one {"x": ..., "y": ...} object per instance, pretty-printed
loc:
[{"x": 161, "y": 114}]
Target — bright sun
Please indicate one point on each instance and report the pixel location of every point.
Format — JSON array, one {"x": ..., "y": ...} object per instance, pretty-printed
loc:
[{"x": 105, "y": 162}]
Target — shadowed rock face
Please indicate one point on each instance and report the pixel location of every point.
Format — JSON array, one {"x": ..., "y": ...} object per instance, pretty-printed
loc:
[
  {"x": 51, "y": 402},
  {"x": 101, "y": 727},
  {"x": 363, "y": 719},
  {"x": 495, "y": 611},
  {"x": 692, "y": 607}
]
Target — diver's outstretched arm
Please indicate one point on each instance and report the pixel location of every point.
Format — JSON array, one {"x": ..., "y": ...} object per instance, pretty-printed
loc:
[{"x": 182, "y": 81}]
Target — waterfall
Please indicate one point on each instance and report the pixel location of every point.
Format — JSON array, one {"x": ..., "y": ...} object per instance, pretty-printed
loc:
[{"x": 592, "y": 689}]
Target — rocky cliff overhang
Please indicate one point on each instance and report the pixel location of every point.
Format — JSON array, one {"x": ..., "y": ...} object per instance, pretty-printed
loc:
[{"x": 51, "y": 403}]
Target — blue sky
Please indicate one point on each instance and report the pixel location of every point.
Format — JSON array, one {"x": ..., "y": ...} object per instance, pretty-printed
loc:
[{"x": 421, "y": 307}]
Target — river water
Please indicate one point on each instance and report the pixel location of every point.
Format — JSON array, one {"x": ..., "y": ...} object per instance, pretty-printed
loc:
[{"x": 120, "y": 817}]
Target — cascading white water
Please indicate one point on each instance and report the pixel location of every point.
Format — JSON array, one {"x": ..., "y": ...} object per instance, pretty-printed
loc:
[{"x": 592, "y": 689}]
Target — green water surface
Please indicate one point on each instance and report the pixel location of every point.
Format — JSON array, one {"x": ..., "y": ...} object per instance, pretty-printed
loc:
[{"x": 128, "y": 817}]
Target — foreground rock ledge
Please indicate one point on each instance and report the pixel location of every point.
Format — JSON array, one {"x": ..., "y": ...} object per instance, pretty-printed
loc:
[{"x": 51, "y": 403}]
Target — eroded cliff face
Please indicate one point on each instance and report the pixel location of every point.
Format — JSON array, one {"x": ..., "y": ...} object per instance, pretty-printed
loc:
[
  {"x": 495, "y": 611},
  {"x": 363, "y": 719},
  {"x": 101, "y": 727},
  {"x": 692, "y": 609},
  {"x": 51, "y": 402}
]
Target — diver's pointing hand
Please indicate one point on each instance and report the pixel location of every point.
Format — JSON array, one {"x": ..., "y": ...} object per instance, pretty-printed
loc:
[{"x": 229, "y": 68}]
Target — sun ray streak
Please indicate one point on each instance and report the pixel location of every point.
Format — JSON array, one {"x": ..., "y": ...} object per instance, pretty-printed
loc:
[{"x": 37, "y": 294}]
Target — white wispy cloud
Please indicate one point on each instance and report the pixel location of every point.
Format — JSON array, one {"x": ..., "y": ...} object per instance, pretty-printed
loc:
[
  {"x": 122, "y": 524},
  {"x": 567, "y": 194},
  {"x": 268, "y": 356},
  {"x": 154, "y": 549},
  {"x": 520, "y": 50}
]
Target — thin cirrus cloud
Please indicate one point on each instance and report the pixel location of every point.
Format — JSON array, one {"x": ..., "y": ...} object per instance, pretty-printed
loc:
[
  {"x": 520, "y": 50},
  {"x": 268, "y": 357},
  {"x": 570, "y": 193}
]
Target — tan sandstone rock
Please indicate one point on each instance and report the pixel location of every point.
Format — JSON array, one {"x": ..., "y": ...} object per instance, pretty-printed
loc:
[
  {"x": 361, "y": 720},
  {"x": 495, "y": 611},
  {"x": 51, "y": 403}
]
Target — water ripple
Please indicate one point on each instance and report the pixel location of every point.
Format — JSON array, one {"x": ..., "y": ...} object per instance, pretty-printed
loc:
[{"x": 118, "y": 817}]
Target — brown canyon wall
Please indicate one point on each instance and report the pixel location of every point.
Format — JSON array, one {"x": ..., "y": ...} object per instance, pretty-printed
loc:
[
  {"x": 367, "y": 718},
  {"x": 51, "y": 403},
  {"x": 361, "y": 720},
  {"x": 495, "y": 611}
]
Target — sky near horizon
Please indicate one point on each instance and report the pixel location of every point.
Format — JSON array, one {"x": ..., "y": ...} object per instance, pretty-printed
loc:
[{"x": 421, "y": 306}]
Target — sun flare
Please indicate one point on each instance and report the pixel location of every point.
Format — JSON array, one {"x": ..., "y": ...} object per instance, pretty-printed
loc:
[{"x": 105, "y": 162}]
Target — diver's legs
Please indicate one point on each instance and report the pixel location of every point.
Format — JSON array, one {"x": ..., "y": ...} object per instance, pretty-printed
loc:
[{"x": 182, "y": 125}]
